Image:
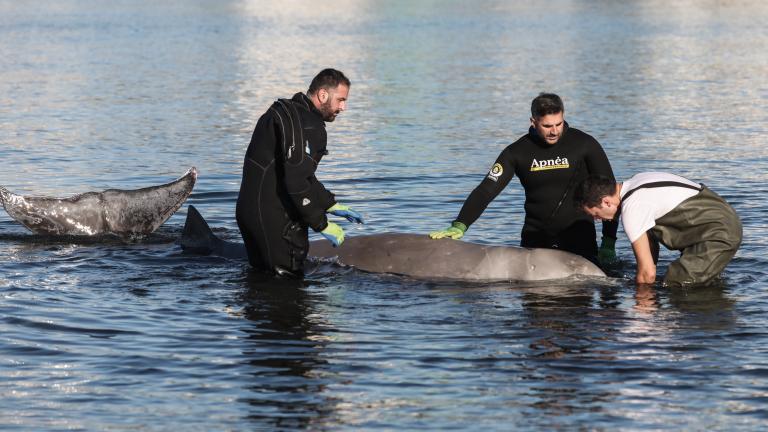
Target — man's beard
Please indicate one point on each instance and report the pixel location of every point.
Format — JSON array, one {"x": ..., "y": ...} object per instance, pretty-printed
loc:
[{"x": 328, "y": 113}]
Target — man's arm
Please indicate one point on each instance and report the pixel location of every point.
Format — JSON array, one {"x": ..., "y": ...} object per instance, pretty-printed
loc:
[
  {"x": 494, "y": 182},
  {"x": 646, "y": 268},
  {"x": 299, "y": 174}
]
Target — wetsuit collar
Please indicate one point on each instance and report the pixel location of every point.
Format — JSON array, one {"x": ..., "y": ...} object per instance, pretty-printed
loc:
[
  {"x": 305, "y": 102},
  {"x": 540, "y": 141}
]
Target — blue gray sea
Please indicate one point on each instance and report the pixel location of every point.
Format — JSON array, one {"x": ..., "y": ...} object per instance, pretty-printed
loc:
[{"x": 109, "y": 335}]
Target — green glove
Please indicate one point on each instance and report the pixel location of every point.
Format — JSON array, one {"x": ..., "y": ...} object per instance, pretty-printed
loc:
[
  {"x": 455, "y": 231},
  {"x": 334, "y": 234},
  {"x": 345, "y": 212},
  {"x": 606, "y": 255}
]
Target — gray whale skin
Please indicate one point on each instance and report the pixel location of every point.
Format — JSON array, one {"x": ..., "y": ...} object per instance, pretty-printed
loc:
[
  {"x": 416, "y": 256},
  {"x": 126, "y": 213}
]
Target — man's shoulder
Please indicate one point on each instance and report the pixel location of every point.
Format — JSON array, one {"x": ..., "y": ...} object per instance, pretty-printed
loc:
[
  {"x": 295, "y": 107},
  {"x": 580, "y": 134},
  {"x": 521, "y": 146},
  {"x": 581, "y": 138},
  {"x": 522, "y": 142},
  {"x": 282, "y": 105},
  {"x": 280, "y": 111},
  {"x": 278, "y": 108}
]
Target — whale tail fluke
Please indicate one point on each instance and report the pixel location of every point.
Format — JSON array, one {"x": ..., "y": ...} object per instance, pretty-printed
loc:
[{"x": 129, "y": 214}]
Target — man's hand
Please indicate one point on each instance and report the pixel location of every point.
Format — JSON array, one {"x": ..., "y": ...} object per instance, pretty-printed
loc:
[
  {"x": 345, "y": 212},
  {"x": 455, "y": 231},
  {"x": 334, "y": 234}
]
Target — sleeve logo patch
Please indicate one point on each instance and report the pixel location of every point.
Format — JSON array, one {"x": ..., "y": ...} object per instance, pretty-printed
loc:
[
  {"x": 305, "y": 202},
  {"x": 496, "y": 171}
]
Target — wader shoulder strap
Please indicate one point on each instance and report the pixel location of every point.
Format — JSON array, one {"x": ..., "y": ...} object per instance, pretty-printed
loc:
[
  {"x": 654, "y": 185},
  {"x": 660, "y": 184}
]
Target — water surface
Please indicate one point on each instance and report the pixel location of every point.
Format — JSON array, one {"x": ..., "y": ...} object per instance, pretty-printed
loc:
[{"x": 107, "y": 335}]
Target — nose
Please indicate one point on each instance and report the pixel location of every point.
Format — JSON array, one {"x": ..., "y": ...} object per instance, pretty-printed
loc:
[{"x": 343, "y": 106}]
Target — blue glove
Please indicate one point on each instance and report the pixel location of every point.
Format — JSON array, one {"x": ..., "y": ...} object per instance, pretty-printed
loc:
[
  {"x": 455, "y": 231},
  {"x": 606, "y": 255},
  {"x": 334, "y": 234},
  {"x": 345, "y": 212}
]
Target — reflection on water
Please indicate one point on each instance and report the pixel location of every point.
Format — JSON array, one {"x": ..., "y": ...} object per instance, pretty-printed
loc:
[
  {"x": 284, "y": 348},
  {"x": 98, "y": 334}
]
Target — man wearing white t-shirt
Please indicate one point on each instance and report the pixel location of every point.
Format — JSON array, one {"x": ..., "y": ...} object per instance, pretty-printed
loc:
[{"x": 657, "y": 207}]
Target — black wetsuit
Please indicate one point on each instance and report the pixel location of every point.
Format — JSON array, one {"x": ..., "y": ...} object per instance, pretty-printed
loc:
[
  {"x": 279, "y": 194},
  {"x": 548, "y": 173}
]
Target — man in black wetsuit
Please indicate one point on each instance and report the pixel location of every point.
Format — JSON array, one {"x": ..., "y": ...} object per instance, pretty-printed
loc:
[
  {"x": 280, "y": 197},
  {"x": 549, "y": 160}
]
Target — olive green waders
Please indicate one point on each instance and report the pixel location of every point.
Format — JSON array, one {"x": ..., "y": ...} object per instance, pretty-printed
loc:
[{"x": 707, "y": 232}]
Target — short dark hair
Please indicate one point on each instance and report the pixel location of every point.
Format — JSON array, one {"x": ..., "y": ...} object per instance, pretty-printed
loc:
[
  {"x": 545, "y": 104},
  {"x": 591, "y": 191},
  {"x": 327, "y": 79}
]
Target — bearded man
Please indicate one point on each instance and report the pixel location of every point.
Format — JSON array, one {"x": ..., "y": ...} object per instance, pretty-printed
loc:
[
  {"x": 549, "y": 161},
  {"x": 280, "y": 197}
]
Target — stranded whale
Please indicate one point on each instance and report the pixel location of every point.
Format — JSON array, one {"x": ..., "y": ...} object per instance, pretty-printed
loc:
[
  {"x": 126, "y": 213},
  {"x": 416, "y": 256}
]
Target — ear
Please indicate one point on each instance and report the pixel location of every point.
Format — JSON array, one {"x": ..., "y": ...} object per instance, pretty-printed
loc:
[
  {"x": 533, "y": 122},
  {"x": 606, "y": 202},
  {"x": 322, "y": 95}
]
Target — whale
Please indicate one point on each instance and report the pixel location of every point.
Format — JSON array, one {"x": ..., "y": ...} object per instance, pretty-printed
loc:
[
  {"x": 128, "y": 214},
  {"x": 415, "y": 255},
  {"x": 420, "y": 257}
]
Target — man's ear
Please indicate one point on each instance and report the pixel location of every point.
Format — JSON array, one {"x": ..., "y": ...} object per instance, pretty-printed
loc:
[
  {"x": 322, "y": 95},
  {"x": 606, "y": 202}
]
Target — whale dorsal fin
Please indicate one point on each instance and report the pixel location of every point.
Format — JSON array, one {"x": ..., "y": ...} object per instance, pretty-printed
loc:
[{"x": 197, "y": 236}]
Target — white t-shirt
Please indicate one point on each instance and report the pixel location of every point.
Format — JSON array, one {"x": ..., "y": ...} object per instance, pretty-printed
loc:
[{"x": 645, "y": 205}]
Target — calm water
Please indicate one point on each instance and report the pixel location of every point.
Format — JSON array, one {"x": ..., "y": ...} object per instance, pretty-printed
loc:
[{"x": 112, "y": 336}]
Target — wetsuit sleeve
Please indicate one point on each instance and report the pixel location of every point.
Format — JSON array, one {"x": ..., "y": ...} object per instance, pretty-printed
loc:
[
  {"x": 494, "y": 182},
  {"x": 597, "y": 164},
  {"x": 307, "y": 193},
  {"x": 325, "y": 199}
]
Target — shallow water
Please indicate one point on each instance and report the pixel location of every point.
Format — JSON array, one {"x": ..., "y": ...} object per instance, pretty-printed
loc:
[{"x": 107, "y": 335}]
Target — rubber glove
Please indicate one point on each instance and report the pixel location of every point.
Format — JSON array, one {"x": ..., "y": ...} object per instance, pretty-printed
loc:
[
  {"x": 346, "y": 212},
  {"x": 606, "y": 255},
  {"x": 455, "y": 231},
  {"x": 334, "y": 234}
]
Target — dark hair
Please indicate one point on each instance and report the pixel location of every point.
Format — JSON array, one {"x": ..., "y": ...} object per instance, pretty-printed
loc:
[
  {"x": 327, "y": 79},
  {"x": 591, "y": 191},
  {"x": 545, "y": 104}
]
